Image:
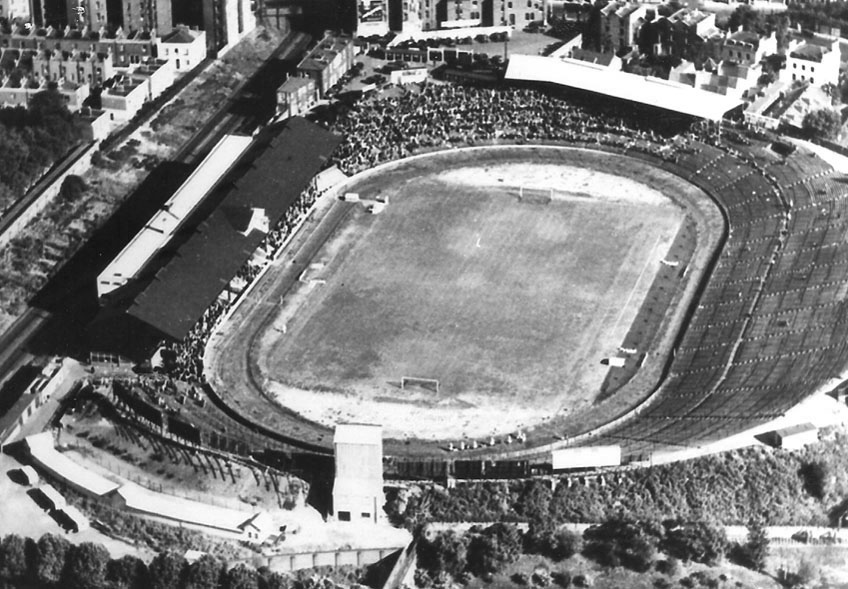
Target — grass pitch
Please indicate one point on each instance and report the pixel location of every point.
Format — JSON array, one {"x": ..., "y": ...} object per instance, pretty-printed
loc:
[{"x": 508, "y": 304}]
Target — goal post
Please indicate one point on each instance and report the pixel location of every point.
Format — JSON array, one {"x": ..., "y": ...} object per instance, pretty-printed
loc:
[
  {"x": 430, "y": 384},
  {"x": 535, "y": 194}
]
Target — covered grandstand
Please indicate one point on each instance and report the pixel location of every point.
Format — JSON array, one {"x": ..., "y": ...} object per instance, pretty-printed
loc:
[
  {"x": 159, "y": 230},
  {"x": 176, "y": 282},
  {"x": 645, "y": 90}
]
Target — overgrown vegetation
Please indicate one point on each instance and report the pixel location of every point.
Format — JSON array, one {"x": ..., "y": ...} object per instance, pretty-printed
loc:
[
  {"x": 31, "y": 140},
  {"x": 446, "y": 556},
  {"x": 728, "y": 488}
]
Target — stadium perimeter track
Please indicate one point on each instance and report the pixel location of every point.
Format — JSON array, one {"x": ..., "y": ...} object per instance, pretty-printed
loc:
[{"x": 255, "y": 406}]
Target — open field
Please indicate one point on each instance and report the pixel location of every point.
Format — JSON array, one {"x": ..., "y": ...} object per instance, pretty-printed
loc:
[{"x": 511, "y": 305}]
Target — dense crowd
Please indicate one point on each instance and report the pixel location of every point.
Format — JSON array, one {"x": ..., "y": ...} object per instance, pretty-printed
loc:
[{"x": 439, "y": 116}]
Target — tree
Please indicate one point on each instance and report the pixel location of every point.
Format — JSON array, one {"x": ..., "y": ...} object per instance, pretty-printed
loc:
[
  {"x": 50, "y": 559},
  {"x": 165, "y": 571},
  {"x": 535, "y": 502},
  {"x": 13, "y": 561},
  {"x": 823, "y": 123},
  {"x": 240, "y": 577},
  {"x": 446, "y": 551},
  {"x": 127, "y": 572},
  {"x": 85, "y": 567},
  {"x": 205, "y": 572},
  {"x": 72, "y": 188},
  {"x": 273, "y": 580},
  {"x": 756, "y": 549},
  {"x": 489, "y": 550},
  {"x": 694, "y": 541},
  {"x": 621, "y": 541},
  {"x": 814, "y": 476},
  {"x": 545, "y": 538}
]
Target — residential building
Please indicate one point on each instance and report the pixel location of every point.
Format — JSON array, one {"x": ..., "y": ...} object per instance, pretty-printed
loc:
[
  {"x": 687, "y": 35},
  {"x": 620, "y": 23},
  {"x": 78, "y": 67},
  {"x": 185, "y": 47},
  {"x": 815, "y": 60},
  {"x": 328, "y": 62},
  {"x": 97, "y": 126},
  {"x": 225, "y": 22},
  {"x": 123, "y": 96},
  {"x": 130, "y": 15},
  {"x": 125, "y": 48},
  {"x": 156, "y": 74},
  {"x": 296, "y": 96},
  {"x": 17, "y": 91},
  {"x": 747, "y": 47}
]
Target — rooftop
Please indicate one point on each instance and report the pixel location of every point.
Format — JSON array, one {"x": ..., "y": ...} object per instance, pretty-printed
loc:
[
  {"x": 295, "y": 83},
  {"x": 592, "y": 56},
  {"x": 744, "y": 38},
  {"x": 649, "y": 91},
  {"x": 324, "y": 53},
  {"x": 182, "y": 35},
  {"x": 358, "y": 433},
  {"x": 809, "y": 52},
  {"x": 185, "y": 510},
  {"x": 162, "y": 226},
  {"x": 42, "y": 450}
]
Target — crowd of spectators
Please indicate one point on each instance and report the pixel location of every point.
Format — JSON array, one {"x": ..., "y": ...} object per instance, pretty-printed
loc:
[{"x": 435, "y": 116}]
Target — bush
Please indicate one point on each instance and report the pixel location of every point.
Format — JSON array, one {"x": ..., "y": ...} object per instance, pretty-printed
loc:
[
  {"x": 622, "y": 541},
  {"x": 72, "y": 188},
  {"x": 814, "y": 477},
  {"x": 695, "y": 541},
  {"x": 490, "y": 549}
]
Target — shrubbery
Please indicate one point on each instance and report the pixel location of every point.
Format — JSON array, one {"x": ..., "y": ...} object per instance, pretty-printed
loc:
[{"x": 797, "y": 489}]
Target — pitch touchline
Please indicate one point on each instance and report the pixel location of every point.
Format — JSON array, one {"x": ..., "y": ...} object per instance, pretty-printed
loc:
[{"x": 636, "y": 284}]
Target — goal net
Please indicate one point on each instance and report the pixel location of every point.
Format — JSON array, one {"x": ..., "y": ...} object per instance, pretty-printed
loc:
[
  {"x": 535, "y": 195},
  {"x": 430, "y": 384}
]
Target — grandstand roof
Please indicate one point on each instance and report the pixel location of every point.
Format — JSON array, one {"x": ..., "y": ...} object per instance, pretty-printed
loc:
[
  {"x": 184, "y": 510},
  {"x": 644, "y": 90},
  {"x": 44, "y": 453},
  {"x": 200, "y": 270},
  {"x": 161, "y": 227}
]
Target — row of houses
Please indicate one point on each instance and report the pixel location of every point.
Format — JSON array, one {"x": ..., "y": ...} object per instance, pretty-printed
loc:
[
  {"x": 225, "y": 21},
  {"x": 126, "y": 71}
]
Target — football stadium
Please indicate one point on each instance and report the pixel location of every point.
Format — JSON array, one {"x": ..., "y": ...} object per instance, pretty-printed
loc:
[{"x": 493, "y": 274}]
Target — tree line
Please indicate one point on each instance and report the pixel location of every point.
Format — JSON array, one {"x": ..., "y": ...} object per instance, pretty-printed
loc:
[
  {"x": 52, "y": 562},
  {"x": 619, "y": 541}
]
